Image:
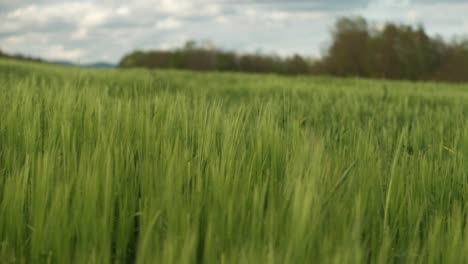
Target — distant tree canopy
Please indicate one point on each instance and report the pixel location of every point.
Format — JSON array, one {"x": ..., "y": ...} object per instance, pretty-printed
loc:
[
  {"x": 206, "y": 57},
  {"x": 392, "y": 52}
]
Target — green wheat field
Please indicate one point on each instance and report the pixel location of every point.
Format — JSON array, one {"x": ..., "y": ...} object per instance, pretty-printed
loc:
[{"x": 140, "y": 166}]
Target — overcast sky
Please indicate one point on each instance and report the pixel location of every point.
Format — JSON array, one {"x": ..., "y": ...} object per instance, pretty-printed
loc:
[{"x": 103, "y": 30}]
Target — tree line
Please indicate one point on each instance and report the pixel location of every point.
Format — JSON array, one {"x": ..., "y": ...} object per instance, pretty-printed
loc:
[
  {"x": 394, "y": 51},
  {"x": 206, "y": 57},
  {"x": 358, "y": 49},
  {"x": 19, "y": 57}
]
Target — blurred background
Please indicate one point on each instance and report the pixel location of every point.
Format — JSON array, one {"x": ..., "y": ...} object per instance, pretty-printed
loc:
[{"x": 396, "y": 39}]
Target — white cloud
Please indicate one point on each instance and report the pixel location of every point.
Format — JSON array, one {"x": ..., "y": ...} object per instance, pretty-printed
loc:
[
  {"x": 174, "y": 42},
  {"x": 174, "y": 7},
  {"x": 28, "y": 14},
  {"x": 390, "y": 3},
  {"x": 222, "y": 19},
  {"x": 8, "y": 26},
  {"x": 79, "y": 34},
  {"x": 26, "y": 39},
  {"x": 45, "y": 14},
  {"x": 271, "y": 17},
  {"x": 32, "y": 18},
  {"x": 169, "y": 24},
  {"x": 58, "y": 52},
  {"x": 122, "y": 11},
  {"x": 183, "y": 8},
  {"x": 412, "y": 16},
  {"x": 278, "y": 16},
  {"x": 251, "y": 13},
  {"x": 438, "y": 17},
  {"x": 95, "y": 18},
  {"x": 84, "y": 15}
]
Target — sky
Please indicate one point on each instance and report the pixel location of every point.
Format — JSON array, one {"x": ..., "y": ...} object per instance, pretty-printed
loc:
[{"x": 85, "y": 31}]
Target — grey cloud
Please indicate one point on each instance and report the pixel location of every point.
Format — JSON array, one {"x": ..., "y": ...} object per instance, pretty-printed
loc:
[
  {"x": 306, "y": 5},
  {"x": 438, "y": 1},
  {"x": 8, "y": 5}
]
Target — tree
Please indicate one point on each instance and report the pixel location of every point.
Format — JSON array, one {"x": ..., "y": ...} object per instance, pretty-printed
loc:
[{"x": 348, "y": 55}]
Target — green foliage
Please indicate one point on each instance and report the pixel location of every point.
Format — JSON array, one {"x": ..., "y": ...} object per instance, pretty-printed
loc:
[
  {"x": 393, "y": 52},
  {"x": 146, "y": 166},
  {"x": 206, "y": 57},
  {"x": 357, "y": 49}
]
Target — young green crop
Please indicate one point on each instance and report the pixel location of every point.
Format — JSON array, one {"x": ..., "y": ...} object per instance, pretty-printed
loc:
[{"x": 145, "y": 166}]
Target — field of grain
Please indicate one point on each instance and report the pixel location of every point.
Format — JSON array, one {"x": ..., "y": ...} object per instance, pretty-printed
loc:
[{"x": 138, "y": 166}]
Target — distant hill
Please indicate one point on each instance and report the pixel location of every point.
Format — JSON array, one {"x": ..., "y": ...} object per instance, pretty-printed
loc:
[
  {"x": 59, "y": 62},
  {"x": 19, "y": 57},
  {"x": 101, "y": 65},
  {"x": 62, "y": 62}
]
